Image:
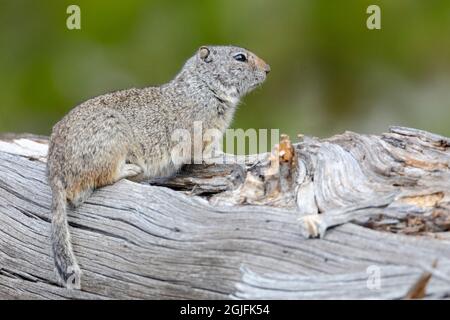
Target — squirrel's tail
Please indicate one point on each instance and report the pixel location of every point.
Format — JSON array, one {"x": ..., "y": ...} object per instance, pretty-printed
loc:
[{"x": 65, "y": 262}]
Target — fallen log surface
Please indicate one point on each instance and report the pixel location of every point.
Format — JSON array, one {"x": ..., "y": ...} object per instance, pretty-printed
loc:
[{"x": 351, "y": 216}]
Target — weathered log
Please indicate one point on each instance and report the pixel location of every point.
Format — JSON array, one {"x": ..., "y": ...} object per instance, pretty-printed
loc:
[{"x": 233, "y": 230}]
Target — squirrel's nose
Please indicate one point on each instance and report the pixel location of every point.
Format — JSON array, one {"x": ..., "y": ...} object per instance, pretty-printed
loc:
[{"x": 261, "y": 64}]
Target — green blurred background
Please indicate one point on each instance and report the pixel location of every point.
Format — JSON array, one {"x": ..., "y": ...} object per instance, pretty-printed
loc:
[{"x": 329, "y": 72}]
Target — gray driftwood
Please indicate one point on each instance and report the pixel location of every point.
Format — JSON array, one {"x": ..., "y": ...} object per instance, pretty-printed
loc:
[{"x": 225, "y": 230}]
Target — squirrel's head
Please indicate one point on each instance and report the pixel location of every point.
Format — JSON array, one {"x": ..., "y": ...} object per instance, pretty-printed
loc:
[{"x": 230, "y": 71}]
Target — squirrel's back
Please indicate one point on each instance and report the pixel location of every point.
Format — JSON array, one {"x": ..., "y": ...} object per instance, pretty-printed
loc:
[{"x": 128, "y": 133}]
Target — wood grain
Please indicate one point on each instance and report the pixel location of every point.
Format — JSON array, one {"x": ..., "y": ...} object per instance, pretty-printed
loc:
[{"x": 379, "y": 205}]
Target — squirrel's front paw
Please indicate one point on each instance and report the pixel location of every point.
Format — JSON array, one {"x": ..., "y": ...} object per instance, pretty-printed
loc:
[
  {"x": 312, "y": 226},
  {"x": 130, "y": 171}
]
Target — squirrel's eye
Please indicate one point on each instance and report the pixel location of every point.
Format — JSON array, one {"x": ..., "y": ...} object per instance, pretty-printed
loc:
[{"x": 240, "y": 57}]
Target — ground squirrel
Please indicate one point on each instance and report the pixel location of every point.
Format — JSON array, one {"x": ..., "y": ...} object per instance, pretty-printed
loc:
[{"x": 127, "y": 134}]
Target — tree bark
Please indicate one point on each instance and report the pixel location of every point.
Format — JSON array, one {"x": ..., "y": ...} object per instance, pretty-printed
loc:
[{"x": 351, "y": 216}]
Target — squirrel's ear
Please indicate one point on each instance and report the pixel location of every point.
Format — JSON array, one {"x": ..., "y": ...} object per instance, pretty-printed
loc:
[{"x": 204, "y": 54}]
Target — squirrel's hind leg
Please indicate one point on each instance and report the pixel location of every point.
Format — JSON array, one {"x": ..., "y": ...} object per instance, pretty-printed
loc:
[{"x": 80, "y": 197}]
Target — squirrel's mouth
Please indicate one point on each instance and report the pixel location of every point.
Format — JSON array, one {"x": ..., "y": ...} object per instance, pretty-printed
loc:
[{"x": 256, "y": 84}]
